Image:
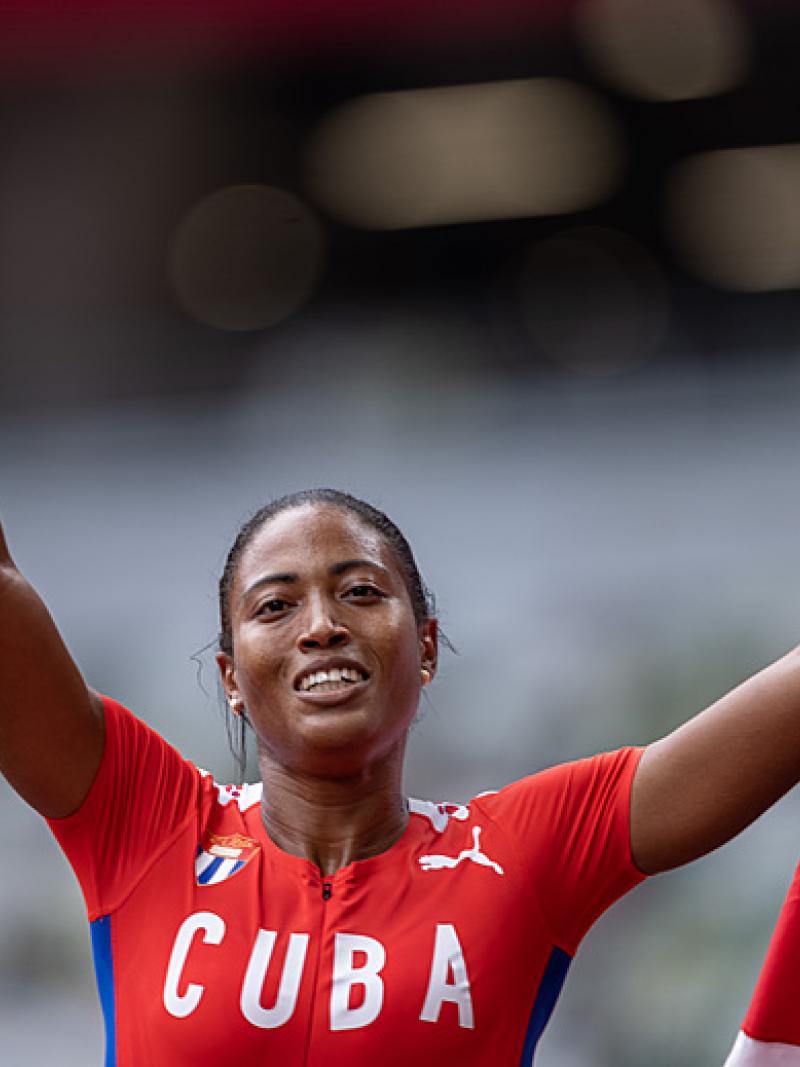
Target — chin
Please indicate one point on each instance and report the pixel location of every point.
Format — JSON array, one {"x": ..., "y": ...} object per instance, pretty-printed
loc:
[{"x": 341, "y": 743}]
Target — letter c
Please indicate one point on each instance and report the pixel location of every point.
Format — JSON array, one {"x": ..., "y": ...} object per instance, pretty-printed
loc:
[{"x": 182, "y": 1004}]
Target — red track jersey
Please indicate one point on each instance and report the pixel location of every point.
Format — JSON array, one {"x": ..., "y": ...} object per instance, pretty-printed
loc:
[
  {"x": 770, "y": 1034},
  {"x": 212, "y": 945}
]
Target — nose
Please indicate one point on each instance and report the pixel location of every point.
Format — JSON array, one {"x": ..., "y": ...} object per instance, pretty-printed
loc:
[{"x": 321, "y": 630}]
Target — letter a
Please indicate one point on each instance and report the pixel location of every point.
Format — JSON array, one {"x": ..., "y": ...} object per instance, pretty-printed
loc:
[
  {"x": 447, "y": 957},
  {"x": 345, "y": 976}
]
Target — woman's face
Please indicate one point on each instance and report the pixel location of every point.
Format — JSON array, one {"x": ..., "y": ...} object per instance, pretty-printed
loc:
[{"x": 326, "y": 651}]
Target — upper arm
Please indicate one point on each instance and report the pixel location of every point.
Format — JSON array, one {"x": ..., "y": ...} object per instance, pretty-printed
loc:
[
  {"x": 709, "y": 779},
  {"x": 51, "y": 724}
]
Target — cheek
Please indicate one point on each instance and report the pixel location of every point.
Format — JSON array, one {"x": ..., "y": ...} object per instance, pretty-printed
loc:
[
  {"x": 255, "y": 662},
  {"x": 405, "y": 656}
]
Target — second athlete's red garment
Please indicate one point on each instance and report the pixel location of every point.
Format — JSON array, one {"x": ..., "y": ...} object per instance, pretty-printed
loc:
[
  {"x": 770, "y": 1034},
  {"x": 213, "y": 946}
]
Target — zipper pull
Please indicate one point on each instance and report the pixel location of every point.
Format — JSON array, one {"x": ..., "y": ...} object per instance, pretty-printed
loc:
[{"x": 327, "y": 890}]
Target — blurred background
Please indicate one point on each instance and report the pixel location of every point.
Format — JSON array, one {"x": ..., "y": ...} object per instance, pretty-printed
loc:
[{"x": 524, "y": 275}]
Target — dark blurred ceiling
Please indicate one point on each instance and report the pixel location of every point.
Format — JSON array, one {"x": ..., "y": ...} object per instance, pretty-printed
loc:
[{"x": 116, "y": 120}]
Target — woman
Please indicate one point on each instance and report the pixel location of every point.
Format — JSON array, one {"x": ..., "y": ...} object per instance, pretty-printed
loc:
[
  {"x": 770, "y": 1034},
  {"x": 320, "y": 917}
]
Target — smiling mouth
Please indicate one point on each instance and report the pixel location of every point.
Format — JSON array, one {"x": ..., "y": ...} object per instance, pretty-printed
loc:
[{"x": 330, "y": 681}]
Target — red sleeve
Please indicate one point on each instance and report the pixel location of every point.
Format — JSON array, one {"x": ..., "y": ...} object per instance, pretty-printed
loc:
[
  {"x": 571, "y": 829},
  {"x": 774, "y": 1014},
  {"x": 143, "y": 794}
]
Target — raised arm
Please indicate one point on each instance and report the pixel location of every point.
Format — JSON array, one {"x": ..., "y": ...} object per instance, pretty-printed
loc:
[
  {"x": 699, "y": 786},
  {"x": 51, "y": 725}
]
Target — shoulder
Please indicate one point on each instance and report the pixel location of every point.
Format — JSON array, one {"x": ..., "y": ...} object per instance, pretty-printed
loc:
[
  {"x": 580, "y": 775},
  {"x": 591, "y": 777},
  {"x": 243, "y": 796},
  {"x": 557, "y": 803}
]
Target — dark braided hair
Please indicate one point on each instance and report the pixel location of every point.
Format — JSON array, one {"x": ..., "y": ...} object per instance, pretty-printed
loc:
[{"x": 422, "y": 601}]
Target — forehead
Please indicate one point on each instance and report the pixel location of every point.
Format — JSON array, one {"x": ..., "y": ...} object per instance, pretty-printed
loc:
[{"x": 312, "y": 537}]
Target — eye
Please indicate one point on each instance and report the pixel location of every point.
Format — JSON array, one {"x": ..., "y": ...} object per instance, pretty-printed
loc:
[
  {"x": 363, "y": 591},
  {"x": 273, "y": 606}
]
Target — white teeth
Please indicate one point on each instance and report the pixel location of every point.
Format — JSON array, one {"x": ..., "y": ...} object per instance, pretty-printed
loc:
[{"x": 335, "y": 674}]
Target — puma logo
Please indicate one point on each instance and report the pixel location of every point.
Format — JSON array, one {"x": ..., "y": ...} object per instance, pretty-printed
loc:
[{"x": 438, "y": 863}]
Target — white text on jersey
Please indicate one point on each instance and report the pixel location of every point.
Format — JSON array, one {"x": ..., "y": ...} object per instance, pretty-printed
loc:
[{"x": 448, "y": 981}]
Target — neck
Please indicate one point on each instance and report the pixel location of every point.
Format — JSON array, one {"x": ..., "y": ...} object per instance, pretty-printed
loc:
[{"x": 333, "y": 821}]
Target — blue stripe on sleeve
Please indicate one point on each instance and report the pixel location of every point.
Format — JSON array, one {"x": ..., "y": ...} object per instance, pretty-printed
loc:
[
  {"x": 549, "y": 989},
  {"x": 104, "y": 973}
]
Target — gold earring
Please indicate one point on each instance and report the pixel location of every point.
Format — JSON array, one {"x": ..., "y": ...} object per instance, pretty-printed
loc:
[
  {"x": 426, "y": 675},
  {"x": 236, "y": 707}
]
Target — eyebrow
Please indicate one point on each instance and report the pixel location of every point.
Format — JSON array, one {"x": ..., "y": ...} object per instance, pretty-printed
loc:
[
  {"x": 352, "y": 564},
  {"x": 290, "y": 577}
]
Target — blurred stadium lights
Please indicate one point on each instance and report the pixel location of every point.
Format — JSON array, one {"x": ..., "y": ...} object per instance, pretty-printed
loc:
[
  {"x": 666, "y": 49},
  {"x": 593, "y": 300},
  {"x": 499, "y": 150},
  {"x": 246, "y": 257},
  {"x": 734, "y": 216},
  {"x": 390, "y": 136}
]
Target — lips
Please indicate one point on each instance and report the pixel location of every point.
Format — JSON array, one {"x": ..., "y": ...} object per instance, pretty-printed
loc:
[
  {"x": 333, "y": 676},
  {"x": 331, "y": 681}
]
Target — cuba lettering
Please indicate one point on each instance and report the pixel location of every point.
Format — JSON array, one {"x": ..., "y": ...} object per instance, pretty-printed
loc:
[{"x": 448, "y": 981}]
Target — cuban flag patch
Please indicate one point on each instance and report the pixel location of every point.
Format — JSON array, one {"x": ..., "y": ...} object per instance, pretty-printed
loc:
[{"x": 220, "y": 856}]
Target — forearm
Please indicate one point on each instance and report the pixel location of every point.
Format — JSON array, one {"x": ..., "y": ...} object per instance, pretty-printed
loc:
[
  {"x": 715, "y": 774},
  {"x": 51, "y": 730}
]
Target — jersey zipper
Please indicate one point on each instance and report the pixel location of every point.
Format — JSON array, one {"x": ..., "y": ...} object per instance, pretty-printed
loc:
[{"x": 326, "y": 894}]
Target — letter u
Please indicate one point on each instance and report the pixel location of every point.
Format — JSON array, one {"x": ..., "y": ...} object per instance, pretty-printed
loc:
[{"x": 252, "y": 987}]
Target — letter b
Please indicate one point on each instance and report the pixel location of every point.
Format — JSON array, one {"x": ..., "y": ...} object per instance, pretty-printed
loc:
[{"x": 346, "y": 975}]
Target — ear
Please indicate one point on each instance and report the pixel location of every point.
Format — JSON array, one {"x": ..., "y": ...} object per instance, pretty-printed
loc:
[
  {"x": 429, "y": 645},
  {"x": 228, "y": 677}
]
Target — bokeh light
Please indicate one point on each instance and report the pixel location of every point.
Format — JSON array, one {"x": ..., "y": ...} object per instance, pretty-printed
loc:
[
  {"x": 734, "y": 217},
  {"x": 247, "y": 257},
  {"x": 666, "y": 49},
  {"x": 428, "y": 157},
  {"x": 593, "y": 300}
]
